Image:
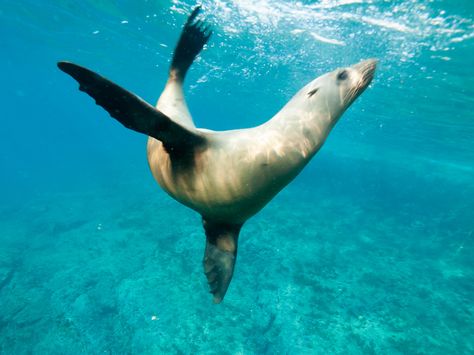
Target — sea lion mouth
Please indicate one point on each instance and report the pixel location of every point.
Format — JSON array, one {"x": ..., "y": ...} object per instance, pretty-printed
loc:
[{"x": 366, "y": 68}]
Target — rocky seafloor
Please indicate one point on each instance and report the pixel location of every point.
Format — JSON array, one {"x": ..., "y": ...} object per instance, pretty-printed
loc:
[{"x": 351, "y": 258}]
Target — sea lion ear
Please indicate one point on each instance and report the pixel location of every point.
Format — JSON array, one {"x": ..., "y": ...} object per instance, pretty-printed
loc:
[
  {"x": 132, "y": 111},
  {"x": 312, "y": 92}
]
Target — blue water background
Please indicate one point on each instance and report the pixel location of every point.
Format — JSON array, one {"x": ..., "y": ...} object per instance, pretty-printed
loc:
[{"x": 369, "y": 250}]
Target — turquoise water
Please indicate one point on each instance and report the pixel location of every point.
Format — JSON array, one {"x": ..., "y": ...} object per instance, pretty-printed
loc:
[{"x": 369, "y": 251}]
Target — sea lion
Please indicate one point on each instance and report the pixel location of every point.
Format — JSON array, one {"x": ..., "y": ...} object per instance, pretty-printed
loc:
[{"x": 225, "y": 176}]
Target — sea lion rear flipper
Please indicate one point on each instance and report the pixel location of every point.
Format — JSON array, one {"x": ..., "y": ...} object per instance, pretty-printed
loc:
[
  {"x": 130, "y": 110},
  {"x": 192, "y": 40},
  {"x": 220, "y": 256}
]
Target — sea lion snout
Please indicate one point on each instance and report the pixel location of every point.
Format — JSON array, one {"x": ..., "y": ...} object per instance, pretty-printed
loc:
[
  {"x": 366, "y": 69},
  {"x": 361, "y": 75}
]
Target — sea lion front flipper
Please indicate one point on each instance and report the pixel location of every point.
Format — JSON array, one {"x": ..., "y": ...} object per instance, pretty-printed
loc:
[
  {"x": 220, "y": 256},
  {"x": 194, "y": 36},
  {"x": 132, "y": 111}
]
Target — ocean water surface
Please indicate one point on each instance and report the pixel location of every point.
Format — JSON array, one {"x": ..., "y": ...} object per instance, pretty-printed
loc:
[{"x": 369, "y": 251}]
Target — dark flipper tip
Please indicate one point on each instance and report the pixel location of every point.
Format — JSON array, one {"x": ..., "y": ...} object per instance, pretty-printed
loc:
[
  {"x": 68, "y": 67},
  {"x": 219, "y": 268},
  {"x": 220, "y": 256},
  {"x": 217, "y": 299},
  {"x": 197, "y": 9},
  {"x": 194, "y": 36}
]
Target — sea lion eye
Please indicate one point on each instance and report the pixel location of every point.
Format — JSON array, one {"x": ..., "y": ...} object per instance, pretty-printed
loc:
[{"x": 342, "y": 75}]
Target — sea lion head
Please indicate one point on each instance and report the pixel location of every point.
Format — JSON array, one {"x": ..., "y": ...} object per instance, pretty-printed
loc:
[{"x": 327, "y": 97}]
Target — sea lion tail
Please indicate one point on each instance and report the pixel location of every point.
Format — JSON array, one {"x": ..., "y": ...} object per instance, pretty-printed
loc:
[
  {"x": 194, "y": 36},
  {"x": 132, "y": 111},
  {"x": 220, "y": 255}
]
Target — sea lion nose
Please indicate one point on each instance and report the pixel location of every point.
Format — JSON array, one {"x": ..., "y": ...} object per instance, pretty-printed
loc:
[
  {"x": 368, "y": 64},
  {"x": 367, "y": 69}
]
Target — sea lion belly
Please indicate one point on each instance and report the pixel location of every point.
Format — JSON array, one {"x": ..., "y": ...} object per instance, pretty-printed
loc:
[{"x": 231, "y": 179}]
